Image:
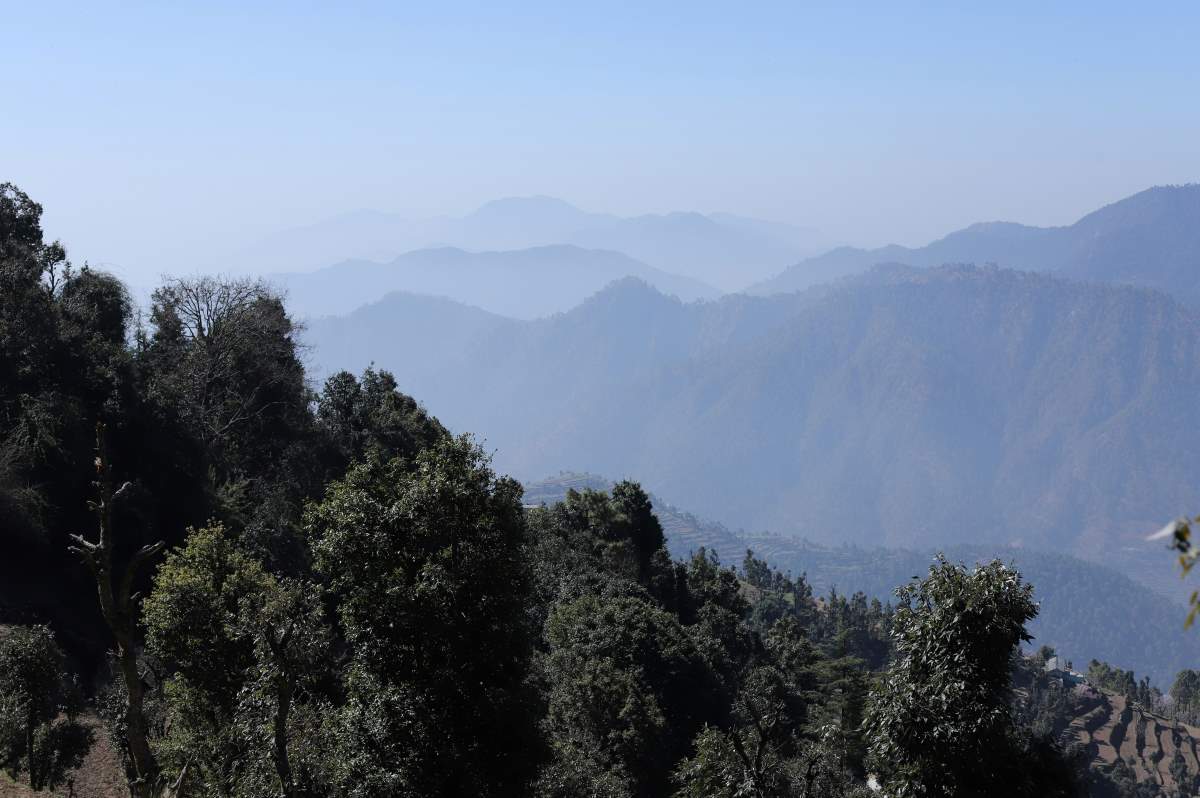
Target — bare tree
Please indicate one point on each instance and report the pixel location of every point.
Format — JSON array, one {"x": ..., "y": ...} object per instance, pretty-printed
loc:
[
  {"x": 227, "y": 356},
  {"x": 118, "y": 604}
]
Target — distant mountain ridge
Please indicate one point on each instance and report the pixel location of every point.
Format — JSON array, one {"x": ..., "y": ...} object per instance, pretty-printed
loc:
[
  {"x": 523, "y": 284},
  {"x": 907, "y": 407},
  {"x": 1150, "y": 239},
  {"x": 724, "y": 250}
]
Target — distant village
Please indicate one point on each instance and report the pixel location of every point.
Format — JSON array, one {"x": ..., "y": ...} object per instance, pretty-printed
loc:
[{"x": 1058, "y": 668}]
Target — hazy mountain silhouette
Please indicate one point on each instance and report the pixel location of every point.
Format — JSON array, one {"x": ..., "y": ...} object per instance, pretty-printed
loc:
[
  {"x": 725, "y": 250},
  {"x": 400, "y": 325},
  {"x": 1150, "y": 239},
  {"x": 523, "y": 284},
  {"x": 358, "y": 235},
  {"x": 521, "y": 222},
  {"x": 907, "y": 407}
]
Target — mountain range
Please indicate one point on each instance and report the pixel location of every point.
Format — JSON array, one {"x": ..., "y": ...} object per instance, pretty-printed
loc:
[
  {"x": 724, "y": 250},
  {"x": 522, "y": 284},
  {"x": 905, "y": 407},
  {"x": 1150, "y": 239}
]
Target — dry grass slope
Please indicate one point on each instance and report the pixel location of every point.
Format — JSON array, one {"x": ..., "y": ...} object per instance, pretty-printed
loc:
[{"x": 1108, "y": 727}]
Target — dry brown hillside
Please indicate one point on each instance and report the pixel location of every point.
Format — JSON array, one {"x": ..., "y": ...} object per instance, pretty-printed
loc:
[{"x": 1109, "y": 726}]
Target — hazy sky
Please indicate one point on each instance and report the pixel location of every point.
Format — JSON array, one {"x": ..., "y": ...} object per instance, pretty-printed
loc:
[{"x": 152, "y": 133}]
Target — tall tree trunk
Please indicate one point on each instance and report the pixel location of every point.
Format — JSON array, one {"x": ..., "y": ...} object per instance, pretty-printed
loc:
[
  {"x": 283, "y": 708},
  {"x": 119, "y": 610},
  {"x": 137, "y": 733},
  {"x": 30, "y": 724}
]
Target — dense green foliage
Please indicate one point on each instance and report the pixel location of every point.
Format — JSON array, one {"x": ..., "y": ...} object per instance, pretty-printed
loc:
[
  {"x": 423, "y": 559},
  {"x": 663, "y": 675},
  {"x": 1088, "y": 610},
  {"x": 940, "y": 723},
  {"x": 1185, "y": 696},
  {"x": 39, "y": 733},
  {"x": 1125, "y": 683}
]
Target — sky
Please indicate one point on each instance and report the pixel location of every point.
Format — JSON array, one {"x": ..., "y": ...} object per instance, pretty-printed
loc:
[{"x": 160, "y": 135}]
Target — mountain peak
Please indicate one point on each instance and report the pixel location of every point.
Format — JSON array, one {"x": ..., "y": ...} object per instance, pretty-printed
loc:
[
  {"x": 628, "y": 293},
  {"x": 537, "y": 203},
  {"x": 688, "y": 221},
  {"x": 627, "y": 286}
]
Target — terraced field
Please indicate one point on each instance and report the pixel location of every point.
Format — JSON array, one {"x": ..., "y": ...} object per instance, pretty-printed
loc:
[{"x": 1109, "y": 727}]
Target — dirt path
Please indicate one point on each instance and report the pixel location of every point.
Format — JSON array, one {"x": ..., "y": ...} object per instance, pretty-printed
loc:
[{"x": 99, "y": 776}]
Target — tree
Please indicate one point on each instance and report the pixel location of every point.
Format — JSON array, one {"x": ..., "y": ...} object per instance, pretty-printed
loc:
[
  {"x": 619, "y": 532},
  {"x": 223, "y": 356},
  {"x": 31, "y": 417},
  {"x": 424, "y": 559},
  {"x": 28, "y": 343},
  {"x": 371, "y": 416},
  {"x": 193, "y": 626},
  {"x": 223, "y": 363},
  {"x": 286, "y": 623},
  {"x": 939, "y": 721},
  {"x": 636, "y": 523},
  {"x": 1185, "y": 696},
  {"x": 1117, "y": 680},
  {"x": 119, "y": 607},
  {"x": 753, "y": 756},
  {"x": 1180, "y": 774},
  {"x": 34, "y": 691},
  {"x": 626, "y": 689},
  {"x": 239, "y": 644},
  {"x": 770, "y": 746}
]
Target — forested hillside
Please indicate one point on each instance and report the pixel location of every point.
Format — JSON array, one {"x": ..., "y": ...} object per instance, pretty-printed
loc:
[
  {"x": 904, "y": 408},
  {"x": 1151, "y": 239},
  {"x": 1088, "y": 610}
]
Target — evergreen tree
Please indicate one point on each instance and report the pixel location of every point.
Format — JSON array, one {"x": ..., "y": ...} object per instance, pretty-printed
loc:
[
  {"x": 939, "y": 722},
  {"x": 424, "y": 559},
  {"x": 39, "y": 733}
]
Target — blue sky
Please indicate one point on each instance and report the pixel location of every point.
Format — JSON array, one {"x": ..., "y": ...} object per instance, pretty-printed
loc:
[{"x": 156, "y": 134}]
